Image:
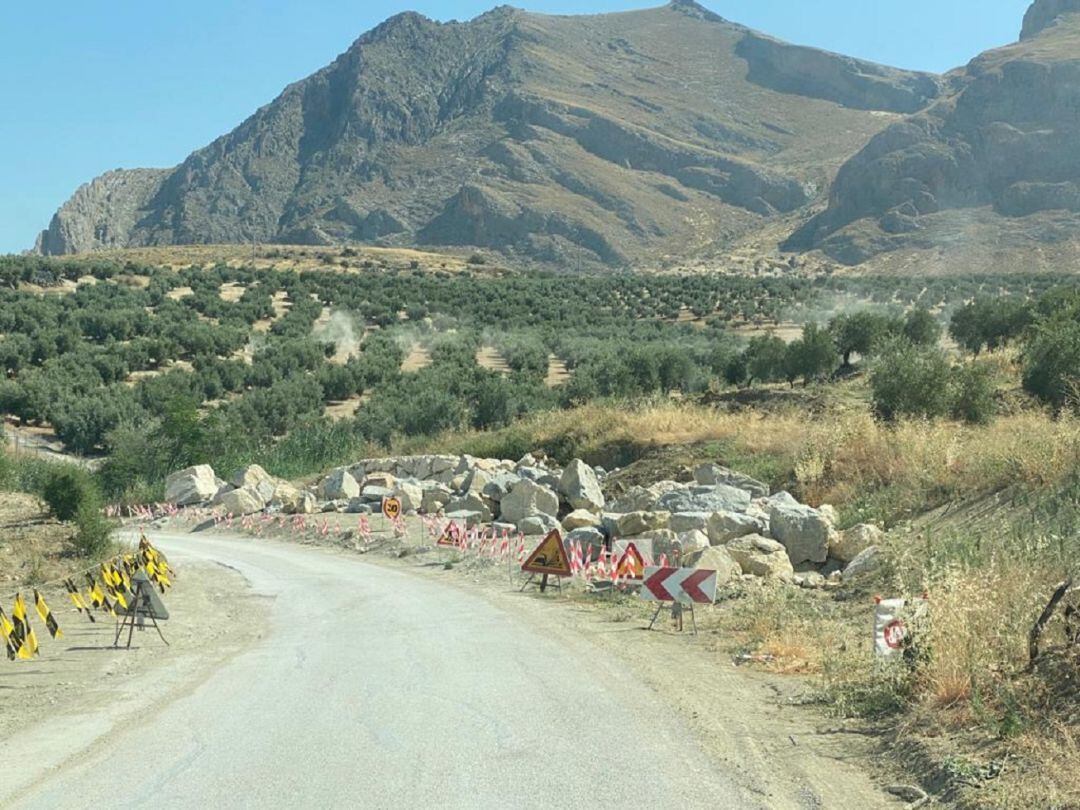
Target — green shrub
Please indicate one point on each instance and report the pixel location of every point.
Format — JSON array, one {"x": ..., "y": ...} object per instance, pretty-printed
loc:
[
  {"x": 909, "y": 380},
  {"x": 66, "y": 488},
  {"x": 94, "y": 530},
  {"x": 1051, "y": 361},
  {"x": 974, "y": 398}
]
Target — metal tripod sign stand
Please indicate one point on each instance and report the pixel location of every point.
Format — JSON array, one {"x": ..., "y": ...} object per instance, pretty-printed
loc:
[{"x": 144, "y": 604}]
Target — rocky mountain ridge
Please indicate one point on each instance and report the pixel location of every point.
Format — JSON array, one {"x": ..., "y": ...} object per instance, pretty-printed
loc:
[
  {"x": 598, "y": 138},
  {"x": 999, "y": 148},
  {"x": 626, "y": 139}
]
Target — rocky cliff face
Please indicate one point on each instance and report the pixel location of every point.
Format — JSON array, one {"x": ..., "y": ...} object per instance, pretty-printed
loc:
[
  {"x": 1044, "y": 13},
  {"x": 102, "y": 213},
  {"x": 851, "y": 82},
  {"x": 1002, "y": 144},
  {"x": 606, "y": 138}
]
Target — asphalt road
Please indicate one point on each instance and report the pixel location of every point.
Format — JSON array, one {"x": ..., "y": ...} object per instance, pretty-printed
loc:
[{"x": 375, "y": 688}]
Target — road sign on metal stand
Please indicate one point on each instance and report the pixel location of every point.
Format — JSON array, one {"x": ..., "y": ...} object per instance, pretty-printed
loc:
[
  {"x": 548, "y": 558},
  {"x": 683, "y": 587},
  {"x": 143, "y": 604},
  {"x": 391, "y": 508}
]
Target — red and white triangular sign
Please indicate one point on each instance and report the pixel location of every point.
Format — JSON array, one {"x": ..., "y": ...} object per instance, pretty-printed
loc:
[
  {"x": 631, "y": 564},
  {"x": 451, "y": 536}
]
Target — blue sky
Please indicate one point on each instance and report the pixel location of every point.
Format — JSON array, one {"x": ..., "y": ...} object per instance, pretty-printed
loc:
[{"x": 99, "y": 84}]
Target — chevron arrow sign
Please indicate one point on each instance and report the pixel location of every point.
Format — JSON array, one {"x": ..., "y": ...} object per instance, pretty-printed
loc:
[{"x": 685, "y": 585}]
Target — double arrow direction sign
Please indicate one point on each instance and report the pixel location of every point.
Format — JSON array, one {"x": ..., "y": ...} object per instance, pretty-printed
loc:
[{"x": 684, "y": 585}]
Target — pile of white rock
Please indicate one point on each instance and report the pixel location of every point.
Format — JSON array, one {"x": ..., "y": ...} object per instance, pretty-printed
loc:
[{"x": 723, "y": 520}]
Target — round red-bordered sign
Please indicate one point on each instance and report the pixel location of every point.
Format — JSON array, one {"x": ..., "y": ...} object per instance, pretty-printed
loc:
[{"x": 894, "y": 634}]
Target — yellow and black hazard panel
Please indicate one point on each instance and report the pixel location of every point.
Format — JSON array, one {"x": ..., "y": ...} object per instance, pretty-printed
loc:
[
  {"x": 25, "y": 640},
  {"x": 46, "y": 616},
  {"x": 7, "y": 630},
  {"x": 77, "y": 599},
  {"x": 98, "y": 598}
]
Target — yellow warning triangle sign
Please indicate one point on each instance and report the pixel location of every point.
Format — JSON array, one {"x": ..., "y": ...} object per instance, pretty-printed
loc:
[{"x": 549, "y": 557}]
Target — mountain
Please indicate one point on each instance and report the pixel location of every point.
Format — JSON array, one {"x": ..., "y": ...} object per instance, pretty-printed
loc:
[
  {"x": 613, "y": 139},
  {"x": 993, "y": 162}
]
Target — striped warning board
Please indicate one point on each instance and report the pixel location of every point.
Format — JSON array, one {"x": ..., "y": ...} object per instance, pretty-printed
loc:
[{"x": 683, "y": 585}]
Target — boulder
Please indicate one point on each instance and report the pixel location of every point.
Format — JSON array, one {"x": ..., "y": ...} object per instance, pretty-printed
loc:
[
  {"x": 688, "y": 521},
  {"x": 706, "y": 499},
  {"x": 380, "y": 479},
  {"x": 692, "y": 543},
  {"x": 256, "y": 478},
  {"x": 580, "y": 486},
  {"x": 499, "y": 485},
  {"x": 781, "y": 498},
  {"x": 866, "y": 562},
  {"x": 587, "y": 536},
  {"x": 410, "y": 494},
  {"x": 241, "y": 501},
  {"x": 718, "y": 559},
  {"x": 196, "y": 484},
  {"x": 828, "y": 511},
  {"x": 537, "y": 524},
  {"x": 725, "y": 526},
  {"x": 712, "y": 474},
  {"x": 578, "y": 519},
  {"x": 249, "y": 476},
  {"x": 656, "y": 542},
  {"x": 642, "y": 499},
  {"x": 289, "y": 499},
  {"x": 358, "y": 506},
  {"x": 761, "y": 557},
  {"x": 434, "y": 498},
  {"x": 475, "y": 481},
  {"x": 635, "y": 523},
  {"x": 374, "y": 494},
  {"x": 803, "y": 530},
  {"x": 845, "y": 546},
  {"x": 469, "y": 503},
  {"x": 463, "y": 517},
  {"x": 811, "y": 580},
  {"x": 338, "y": 485},
  {"x": 526, "y": 499}
]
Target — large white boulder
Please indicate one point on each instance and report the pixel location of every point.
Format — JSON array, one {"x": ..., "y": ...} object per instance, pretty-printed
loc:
[
  {"x": 706, "y": 499},
  {"x": 470, "y": 502},
  {"x": 196, "y": 484},
  {"x": 719, "y": 559},
  {"x": 761, "y": 557},
  {"x": 688, "y": 521},
  {"x": 692, "y": 543},
  {"x": 241, "y": 501},
  {"x": 537, "y": 524},
  {"x": 634, "y": 523},
  {"x": 712, "y": 474},
  {"x": 642, "y": 499},
  {"x": 581, "y": 487},
  {"x": 803, "y": 530},
  {"x": 526, "y": 499},
  {"x": 435, "y": 497},
  {"x": 866, "y": 562},
  {"x": 579, "y": 519},
  {"x": 845, "y": 546},
  {"x": 724, "y": 526},
  {"x": 410, "y": 494},
  {"x": 339, "y": 485}
]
